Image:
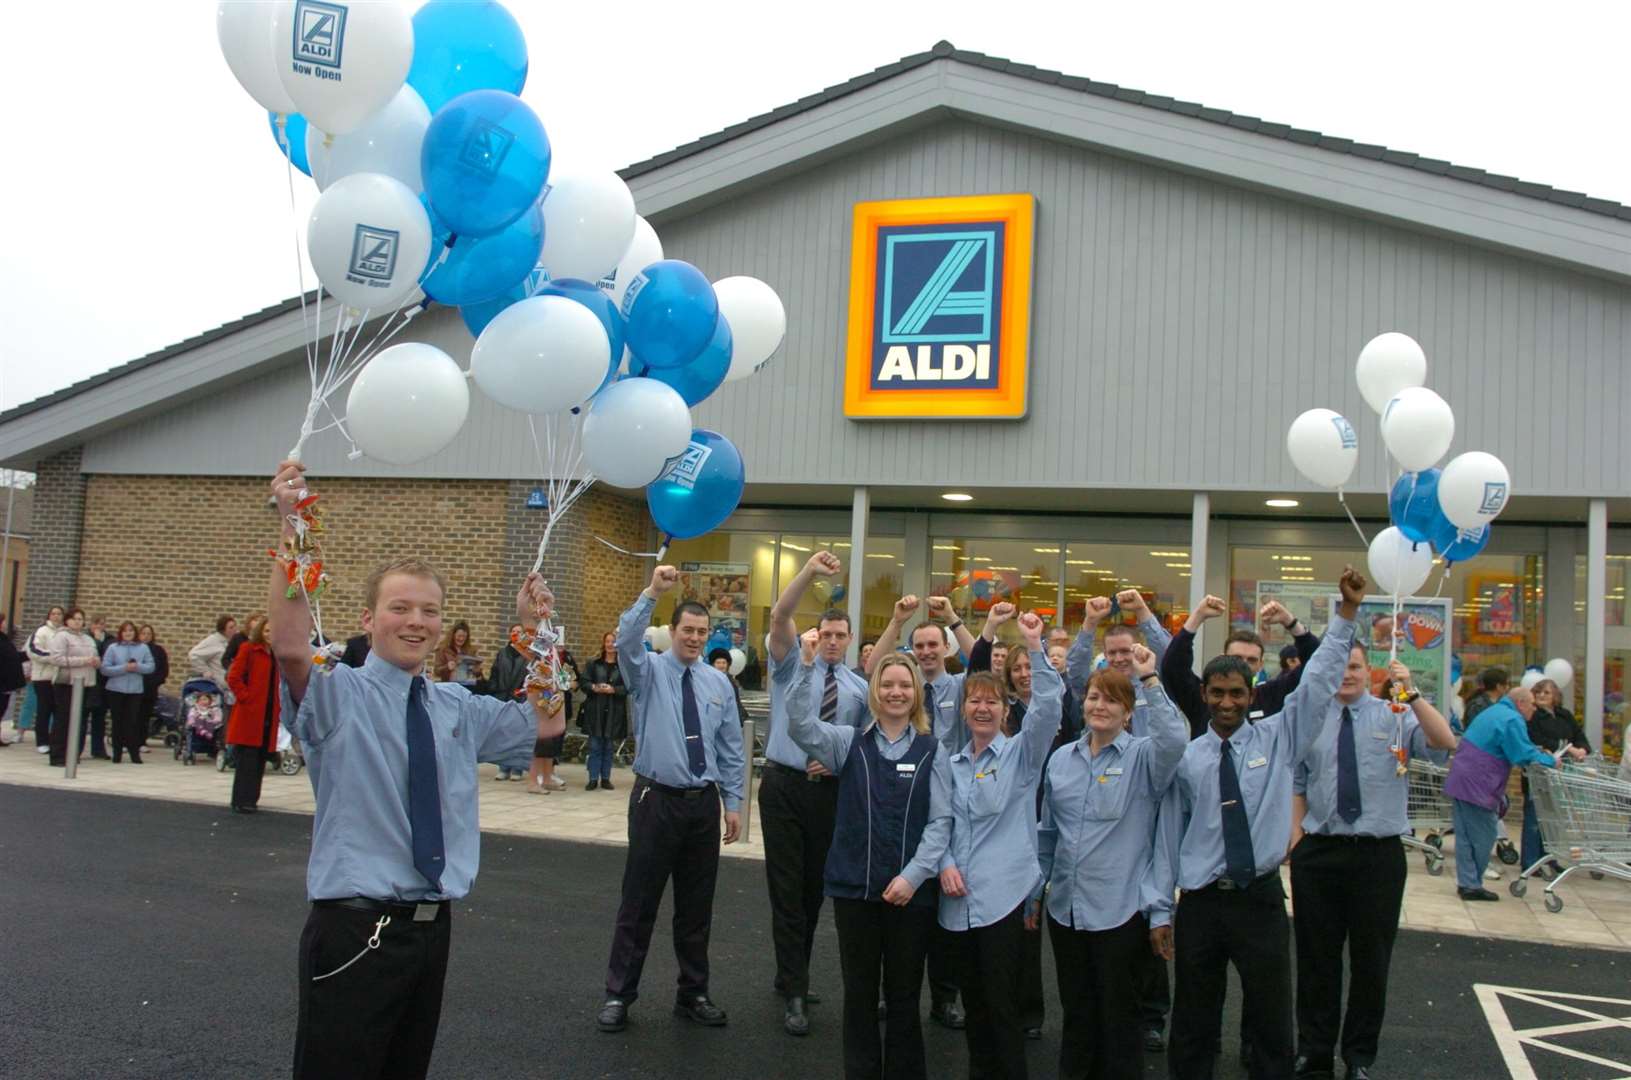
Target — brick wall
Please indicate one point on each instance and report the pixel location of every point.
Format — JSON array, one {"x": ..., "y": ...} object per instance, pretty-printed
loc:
[{"x": 54, "y": 555}]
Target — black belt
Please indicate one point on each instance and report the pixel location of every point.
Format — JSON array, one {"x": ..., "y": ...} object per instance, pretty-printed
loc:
[
  {"x": 1348, "y": 838},
  {"x": 419, "y": 911},
  {"x": 678, "y": 792},
  {"x": 802, "y": 774},
  {"x": 1226, "y": 884}
]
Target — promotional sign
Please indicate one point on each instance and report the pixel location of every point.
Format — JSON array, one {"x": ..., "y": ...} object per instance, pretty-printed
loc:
[
  {"x": 1308, "y": 600},
  {"x": 722, "y": 588},
  {"x": 940, "y": 308},
  {"x": 1423, "y": 631}
]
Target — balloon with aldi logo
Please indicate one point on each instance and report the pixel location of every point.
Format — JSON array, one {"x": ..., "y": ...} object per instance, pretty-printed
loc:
[
  {"x": 1455, "y": 544},
  {"x": 368, "y": 239},
  {"x": 671, "y": 313},
  {"x": 480, "y": 268},
  {"x": 1323, "y": 447},
  {"x": 340, "y": 63},
  {"x": 699, "y": 489},
  {"x": 460, "y": 46},
  {"x": 703, "y": 375},
  {"x": 631, "y": 429},
  {"x": 1413, "y": 505},
  {"x": 643, "y": 250},
  {"x": 1474, "y": 489},
  {"x": 485, "y": 160}
]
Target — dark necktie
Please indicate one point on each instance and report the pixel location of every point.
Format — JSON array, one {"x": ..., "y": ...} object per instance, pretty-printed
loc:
[
  {"x": 1349, "y": 803},
  {"x": 693, "y": 726},
  {"x": 424, "y": 791},
  {"x": 1239, "y": 862},
  {"x": 829, "y": 697}
]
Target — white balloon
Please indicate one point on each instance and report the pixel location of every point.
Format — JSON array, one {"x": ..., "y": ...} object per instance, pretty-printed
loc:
[
  {"x": 1530, "y": 678},
  {"x": 407, "y": 403},
  {"x": 543, "y": 354},
  {"x": 588, "y": 225},
  {"x": 369, "y": 239},
  {"x": 1473, "y": 489},
  {"x": 739, "y": 661},
  {"x": 1387, "y": 364},
  {"x": 757, "y": 319},
  {"x": 340, "y": 63},
  {"x": 1418, "y": 427},
  {"x": 643, "y": 250},
  {"x": 244, "y": 29},
  {"x": 1397, "y": 566},
  {"x": 633, "y": 427},
  {"x": 388, "y": 143},
  {"x": 1560, "y": 671},
  {"x": 1322, "y": 445},
  {"x": 659, "y": 638}
]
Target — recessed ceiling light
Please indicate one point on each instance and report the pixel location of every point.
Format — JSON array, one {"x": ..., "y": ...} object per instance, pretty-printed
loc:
[
  {"x": 1170, "y": 554},
  {"x": 957, "y": 496},
  {"x": 1078, "y": 562},
  {"x": 1046, "y": 551},
  {"x": 1281, "y": 504}
]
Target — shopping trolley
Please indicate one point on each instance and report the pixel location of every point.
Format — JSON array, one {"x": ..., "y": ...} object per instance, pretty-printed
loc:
[
  {"x": 1585, "y": 822},
  {"x": 1428, "y": 812}
]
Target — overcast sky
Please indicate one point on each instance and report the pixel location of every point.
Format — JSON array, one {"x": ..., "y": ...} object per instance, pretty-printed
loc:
[{"x": 147, "y": 201}]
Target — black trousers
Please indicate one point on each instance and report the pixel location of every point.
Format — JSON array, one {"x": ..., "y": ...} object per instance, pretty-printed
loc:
[
  {"x": 45, "y": 705},
  {"x": 378, "y": 1017},
  {"x": 989, "y": 965},
  {"x": 128, "y": 732},
  {"x": 798, "y": 817},
  {"x": 670, "y": 835},
  {"x": 1101, "y": 1038},
  {"x": 1211, "y": 928},
  {"x": 1154, "y": 993},
  {"x": 150, "y": 702},
  {"x": 249, "y": 766},
  {"x": 878, "y": 940},
  {"x": 1033, "y": 1006},
  {"x": 1348, "y": 892},
  {"x": 942, "y": 966},
  {"x": 95, "y": 722},
  {"x": 63, "y": 696}
]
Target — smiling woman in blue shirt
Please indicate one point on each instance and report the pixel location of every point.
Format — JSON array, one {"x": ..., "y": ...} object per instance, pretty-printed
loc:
[{"x": 396, "y": 834}]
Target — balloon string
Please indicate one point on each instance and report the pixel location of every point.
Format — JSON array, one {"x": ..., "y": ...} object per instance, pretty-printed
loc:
[
  {"x": 1343, "y": 500},
  {"x": 636, "y": 554}
]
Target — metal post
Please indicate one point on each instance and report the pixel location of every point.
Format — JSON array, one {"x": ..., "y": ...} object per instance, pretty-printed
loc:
[
  {"x": 750, "y": 729},
  {"x": 1200, "y": 517},
  {"x": 1596, "y": 615},
  {"x": 70, "y": 761},
  {"x": 859, "y": 510}
]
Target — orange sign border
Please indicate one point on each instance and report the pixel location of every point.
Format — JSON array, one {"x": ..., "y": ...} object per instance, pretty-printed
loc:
[{"x": 1005, "y": 401}]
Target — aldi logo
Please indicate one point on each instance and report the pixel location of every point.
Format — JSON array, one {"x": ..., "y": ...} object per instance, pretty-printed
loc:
[
  {"x": 940, "y": 308},
  {"x": 1494, "y": 498},
  {"x": 373, "y": 253},
  {"x": 682, "y": 471},
  {"x": 486, "y": 147},
  {"x": 319, "y": 32}
]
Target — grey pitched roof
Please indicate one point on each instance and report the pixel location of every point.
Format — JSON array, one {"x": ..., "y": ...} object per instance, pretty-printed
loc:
[{"x": 945, "y": 50}]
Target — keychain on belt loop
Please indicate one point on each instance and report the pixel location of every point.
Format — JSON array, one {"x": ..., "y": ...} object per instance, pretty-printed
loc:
[{"x": 373, "y": 943}]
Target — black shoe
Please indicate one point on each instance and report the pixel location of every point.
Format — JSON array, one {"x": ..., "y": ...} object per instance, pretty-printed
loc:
[
  {"x": 1154, "y": 1041},
  {"x": 1358, "y": 1072},
  {"x": 1034, "y": 1034},
  {"x": 1308, "y": 1069},
  {"x": 699, "y": 1010},
  {"x": 135, "y": 758},
  {"x": 1476, "y": 894},
  {"x": 794, "y": 1022},
  {"x": 949, "y": 1015},
  {"x": 606, "y": 785},
  {"x": 591, "y": 785},
  {"x": 614, "y": 1015},
  {"x": 101, "y": 757},
  {"x": 236, "y": 809}
]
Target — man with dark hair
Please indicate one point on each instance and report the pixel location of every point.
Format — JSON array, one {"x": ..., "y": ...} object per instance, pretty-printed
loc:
[
  {"x": 865, "y": 658},
  {"x": 798, "y": 797},
  {"x": 1222, "y": 837},
  {"x": 1493, "y": 682},
  {"x": 1289, "y": 660},
  {"x": 688, "y": 759},
  {"x": 1177, "y": 667}
]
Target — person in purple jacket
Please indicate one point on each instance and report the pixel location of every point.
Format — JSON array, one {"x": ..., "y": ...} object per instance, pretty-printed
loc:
[{"x": 1476, "y": 783}]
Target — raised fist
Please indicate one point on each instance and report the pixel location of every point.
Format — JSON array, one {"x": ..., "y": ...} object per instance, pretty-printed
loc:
[
  {"x": 1275, "y": 612},
  {"x": 807, "y": 644},
  {"x": 664, "y": 578},
  {"x": 289, "y": 486},
  {"x": 1143, "y": 660},
  {"x": 905, "y": 607},
  {"x": 1353, "y": 585},
  {"x": 1098, "y": 609},
  {"x": 940, "y": 608},
  {"x": 824, "y": 564},
  {"x": 1132, "y": 600},
  {"x": 1000, "y": 613},
  {"x": 1211, "y": 608},
  {"x": 1030, "y": 628}
]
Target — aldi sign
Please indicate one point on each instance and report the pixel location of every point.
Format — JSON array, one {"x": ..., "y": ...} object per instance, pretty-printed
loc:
[{"x": 940, "y": 307}]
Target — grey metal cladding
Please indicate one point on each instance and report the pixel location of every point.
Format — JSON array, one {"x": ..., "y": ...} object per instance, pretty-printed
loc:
[{"x": 1178, "y": 324}]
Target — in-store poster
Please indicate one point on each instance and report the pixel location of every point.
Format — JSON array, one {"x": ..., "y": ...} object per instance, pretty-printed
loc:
[
  {"x": 722, "y": 588},
  {"x": 1423, "y": 631},
  {"x": 1310, "y": 601}
]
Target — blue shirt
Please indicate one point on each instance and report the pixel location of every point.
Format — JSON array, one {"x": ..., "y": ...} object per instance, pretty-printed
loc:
[
  {"x": 946, "y": 713},
  {"x": 352, "y": 725},
  {"x": 1383, "y": 793},
  {"x": 1500, "y": 729},
  {"x": 114, "y": 660},
  {"x": 852, "y": 699},
  {"x": 1264, "y": 755},
  {"x": 830, "y": 744},
  {"x": 1079, "y": 666},
  {"x": 989, "y": 800},
  {"x": 653, "y": 680},
  {"x": 1098, "y": 819}
]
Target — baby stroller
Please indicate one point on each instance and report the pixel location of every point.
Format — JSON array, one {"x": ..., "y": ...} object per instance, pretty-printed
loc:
[{"x": 198, "y": 737}]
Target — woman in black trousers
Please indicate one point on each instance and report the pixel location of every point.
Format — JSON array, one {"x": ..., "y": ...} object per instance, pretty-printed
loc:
[{"x": 151, "y": 682}]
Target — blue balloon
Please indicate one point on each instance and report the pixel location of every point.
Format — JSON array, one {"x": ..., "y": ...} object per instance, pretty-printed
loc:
[
  {"x": 672, "y": 313},
  {"x": 699, "y": 489},
  {"x": 294, "y": 129},
  {"x": 1455, "y": 667},
  {"x": 1413, "y": 506},
  {"x": 481, "y": 267},
  {"x": 460, "y": 46},
  {"x": 1458, "y": 545},
  {"x": 476, "y": 316},
  {"x": 702, "y": 376},
  {"x": 484, "y": 161},
  {"x": 595, "y": 299}
]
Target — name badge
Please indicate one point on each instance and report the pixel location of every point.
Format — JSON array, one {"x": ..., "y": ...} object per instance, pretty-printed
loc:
[
  {"x": 906, "y": 766},
  {"x": 1257, "y": 763},
  {"x": 1378, "y": 734},
  {"x": 1113, "y": 772},
  {"x": 1254, "y": 715}
]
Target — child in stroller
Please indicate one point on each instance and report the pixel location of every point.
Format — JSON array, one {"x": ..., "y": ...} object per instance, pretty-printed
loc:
[{"x": 203, "y": 726}]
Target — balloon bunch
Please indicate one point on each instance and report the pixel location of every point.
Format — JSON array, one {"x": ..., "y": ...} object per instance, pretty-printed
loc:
[
  {"x": 436, "y": 186},
  {"x": 1557, "y": 669},
  {"x": 1445, "y": 512}
]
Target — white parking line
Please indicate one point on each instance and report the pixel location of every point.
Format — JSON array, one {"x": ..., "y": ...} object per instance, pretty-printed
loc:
[{"x": 1512, "y": 1041}]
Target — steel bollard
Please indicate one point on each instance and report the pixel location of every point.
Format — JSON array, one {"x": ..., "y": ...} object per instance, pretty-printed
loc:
[
  {"x": 749, "y": 731},
  {"x": 76, "y": 701}
]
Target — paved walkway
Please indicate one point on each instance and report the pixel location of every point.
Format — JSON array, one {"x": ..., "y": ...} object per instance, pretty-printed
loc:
[{"x": 1595, "y": 913}]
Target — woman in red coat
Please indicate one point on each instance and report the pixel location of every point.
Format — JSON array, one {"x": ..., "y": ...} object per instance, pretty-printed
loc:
[{"x": 252, "y": 727}]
